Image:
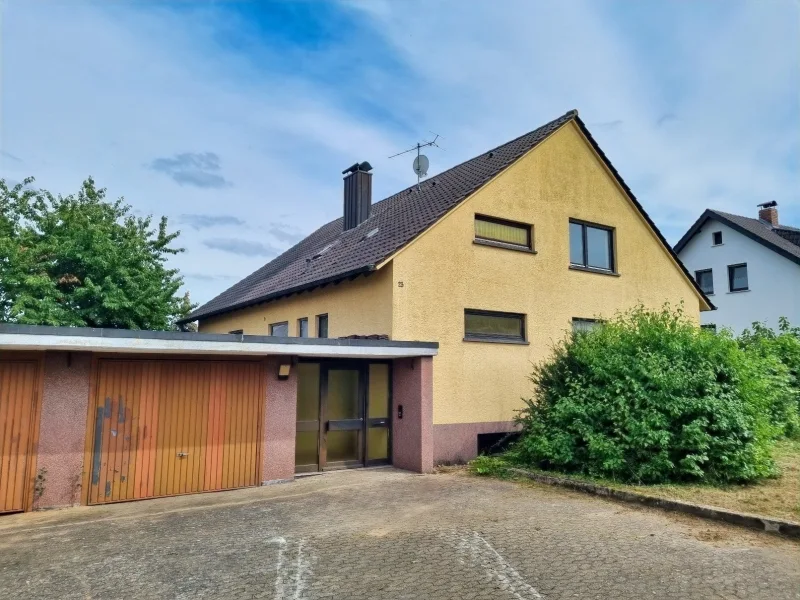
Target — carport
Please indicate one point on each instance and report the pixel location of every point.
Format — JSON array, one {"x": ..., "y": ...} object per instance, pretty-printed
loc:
[{"x": 91, "y": 416}]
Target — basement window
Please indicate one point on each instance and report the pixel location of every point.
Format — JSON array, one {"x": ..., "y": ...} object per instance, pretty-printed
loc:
[
  {"x": 279, "y": 329},
  {"x": 491, "y": 326},
  {"x": 502, "y": 233}
]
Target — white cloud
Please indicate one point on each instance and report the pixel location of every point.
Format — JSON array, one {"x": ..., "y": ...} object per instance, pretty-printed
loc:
[{"x": 107, "y": 89}]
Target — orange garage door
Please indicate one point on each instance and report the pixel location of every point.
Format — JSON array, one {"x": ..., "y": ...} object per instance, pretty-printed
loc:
[
  {"x": 17, "y": 406},
  {"x": 164, "y": 427}
]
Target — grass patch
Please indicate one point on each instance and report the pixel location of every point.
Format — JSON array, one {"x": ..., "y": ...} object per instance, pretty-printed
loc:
[{"x": 777, "y": 497}]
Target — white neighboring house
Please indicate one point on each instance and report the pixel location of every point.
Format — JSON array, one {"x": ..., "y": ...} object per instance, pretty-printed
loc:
[{"x": 749, "y": 268}]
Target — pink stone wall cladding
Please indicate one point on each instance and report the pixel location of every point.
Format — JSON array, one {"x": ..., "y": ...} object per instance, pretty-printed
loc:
[
  {"x": 412, "y": 388},
  {"x": 280, "y": 421},
  {"x": 63, "y": 427},
  {"x": 458, "y": 442}
]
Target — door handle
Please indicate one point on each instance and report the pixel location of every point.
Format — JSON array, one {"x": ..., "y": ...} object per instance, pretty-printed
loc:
[{"x": 183, "y": 454}]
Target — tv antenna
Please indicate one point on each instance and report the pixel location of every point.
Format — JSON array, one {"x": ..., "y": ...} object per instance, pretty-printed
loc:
[{"x": 421, "y": 162}]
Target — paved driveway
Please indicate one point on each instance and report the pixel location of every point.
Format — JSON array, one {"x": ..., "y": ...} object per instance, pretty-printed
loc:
[{"x": 387, "y": 534}]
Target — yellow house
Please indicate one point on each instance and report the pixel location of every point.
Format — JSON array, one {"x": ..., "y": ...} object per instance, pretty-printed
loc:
[{"x": 496, "y": 259}]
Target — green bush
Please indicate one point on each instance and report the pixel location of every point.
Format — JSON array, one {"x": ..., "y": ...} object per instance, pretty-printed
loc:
[
  {"x": 780, "y": 353},
  {"x": 651, "y": 398}
]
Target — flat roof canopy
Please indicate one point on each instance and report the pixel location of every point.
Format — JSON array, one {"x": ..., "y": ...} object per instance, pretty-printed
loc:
[{"x": 86, "y": 339}]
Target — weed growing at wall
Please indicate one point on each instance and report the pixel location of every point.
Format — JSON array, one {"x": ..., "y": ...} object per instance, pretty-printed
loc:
[{"x": 651, "y": 398}]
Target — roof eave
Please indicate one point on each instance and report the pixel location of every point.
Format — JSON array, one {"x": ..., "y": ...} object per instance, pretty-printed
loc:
[
  {"x": 280, "y": 294},
  {"x": 643, "y": 212}
]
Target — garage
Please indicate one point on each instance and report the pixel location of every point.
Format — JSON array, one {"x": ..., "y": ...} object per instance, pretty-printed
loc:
[
  {"x": 167, "y": 427},
  {"x": 18, "y": 394}
]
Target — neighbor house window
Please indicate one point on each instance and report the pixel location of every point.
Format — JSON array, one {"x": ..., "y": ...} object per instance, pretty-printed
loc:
[
  {"x": 322, "y": 326},
  {"x": 705, "y": 279},
  {"x": 581, "y": 325},
  {"x": 503, "y": 233},
  {"x": 717, "y": 237},
  {"x": 591, "y": 246},
  {"x": 302, "y": 327},
  {"x": 737, "y": 277},
  {"x": 279, "y": 329},
  {"x": 485, "y": 325}
]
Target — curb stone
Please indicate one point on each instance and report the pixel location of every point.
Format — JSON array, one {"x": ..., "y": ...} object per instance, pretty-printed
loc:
[{"x": 771, "y": 525}]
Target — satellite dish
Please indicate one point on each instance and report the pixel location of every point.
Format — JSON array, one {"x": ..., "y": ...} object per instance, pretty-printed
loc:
[{"x": 421, "y": 164}]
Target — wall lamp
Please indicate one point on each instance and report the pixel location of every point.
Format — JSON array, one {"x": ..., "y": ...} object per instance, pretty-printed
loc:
[{"x": 284, "y": 369}]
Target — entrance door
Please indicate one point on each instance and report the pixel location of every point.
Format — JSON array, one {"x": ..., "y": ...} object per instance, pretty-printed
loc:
[{"x": 342, "y": 415}]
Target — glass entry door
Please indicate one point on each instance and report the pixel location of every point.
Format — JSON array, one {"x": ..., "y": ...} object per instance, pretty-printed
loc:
[{"x": 343, "y": 415}]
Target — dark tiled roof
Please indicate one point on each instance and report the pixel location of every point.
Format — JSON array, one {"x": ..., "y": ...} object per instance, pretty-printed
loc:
[
  {"x": 329, "y": 254},
  {"x": 782, "y": 239}
]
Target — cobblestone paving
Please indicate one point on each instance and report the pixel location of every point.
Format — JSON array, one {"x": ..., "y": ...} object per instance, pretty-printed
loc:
[{"x": 388, "y": 534}]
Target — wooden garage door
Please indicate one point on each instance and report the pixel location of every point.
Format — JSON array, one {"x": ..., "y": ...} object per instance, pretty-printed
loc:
[
  {"x": 17, "y": 406},
  {"x": 163, "y": 428}
]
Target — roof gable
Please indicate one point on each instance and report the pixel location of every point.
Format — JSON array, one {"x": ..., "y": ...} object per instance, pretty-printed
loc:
[
  {"x": 782, "y": 240},
  {"x": 331, "y": 254}
]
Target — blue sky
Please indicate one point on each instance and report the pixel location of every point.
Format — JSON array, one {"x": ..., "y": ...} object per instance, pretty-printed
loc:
[{"x": 235, "y": 119}]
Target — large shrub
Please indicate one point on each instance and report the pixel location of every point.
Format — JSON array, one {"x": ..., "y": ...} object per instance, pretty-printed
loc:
[
  {"x": 649, "y": 398},
  {"x": 779, "y": 353}
]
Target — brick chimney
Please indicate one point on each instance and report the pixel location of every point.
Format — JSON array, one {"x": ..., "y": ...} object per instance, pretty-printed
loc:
[
  {"x": 357, "y": 194},
  {"x": 768, "y": 211}
]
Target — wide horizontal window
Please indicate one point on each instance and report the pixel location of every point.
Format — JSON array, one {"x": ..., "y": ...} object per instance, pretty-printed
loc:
[
  {"x": 489, "y": 229},
  {"x": 591, "y": 246},
  {"x": 584, "y": 325},
  {"x": 737, "y": 278},
  {"x": 279, "y": 329},
  {"x": 705, "y": 279},
  {"x": 494, "y": 326}
]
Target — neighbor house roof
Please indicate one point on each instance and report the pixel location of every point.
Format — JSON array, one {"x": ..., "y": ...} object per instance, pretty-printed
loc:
[
  {"x": 330, "y": 254},
  {"x": 780, "y": 238}
]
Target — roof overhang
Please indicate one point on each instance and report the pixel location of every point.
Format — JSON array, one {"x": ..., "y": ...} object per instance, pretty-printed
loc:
[{"x": 80, "y": 339}]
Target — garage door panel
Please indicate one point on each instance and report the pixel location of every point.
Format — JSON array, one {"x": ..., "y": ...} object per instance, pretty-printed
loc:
[
  {"x": 17, "y": 404},
  {"x": 175, "y": 427}
]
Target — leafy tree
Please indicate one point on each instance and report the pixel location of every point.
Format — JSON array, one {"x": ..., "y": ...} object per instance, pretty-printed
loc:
[
  {"x": 80, "y": 260},
  {"x": 651, "y": 398}
]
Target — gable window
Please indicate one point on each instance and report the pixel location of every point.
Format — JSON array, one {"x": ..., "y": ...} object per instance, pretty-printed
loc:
[
  {"x": 502, "y": 233},
  {"x": 279, "y": 329},
  {"x": 491, "y": 326},
  {"x": 737, "y": 278},
  {"x": 322, "y": 326},
  {"x": 583, "y": 325},
  {"x": 717, "y": 238},
  {"x": 302, "y": 327},
  {"x": 705, "y": 279},
  {"x": 591, "y": 246}
]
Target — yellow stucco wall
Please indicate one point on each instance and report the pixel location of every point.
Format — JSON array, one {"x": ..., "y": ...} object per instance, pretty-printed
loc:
[
  {"x": 443, "y": 272},
  {"x": 362, "y": 306}
]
